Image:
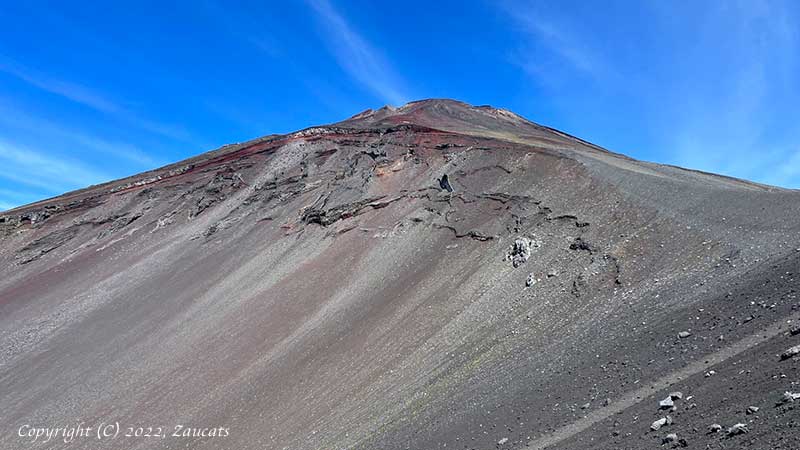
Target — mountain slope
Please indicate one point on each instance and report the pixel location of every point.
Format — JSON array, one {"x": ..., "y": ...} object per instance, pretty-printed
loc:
[{"x": 417, "y": 277}]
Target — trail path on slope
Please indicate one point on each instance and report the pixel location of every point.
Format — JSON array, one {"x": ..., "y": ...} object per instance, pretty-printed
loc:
[{"x": 633, "y": 397}]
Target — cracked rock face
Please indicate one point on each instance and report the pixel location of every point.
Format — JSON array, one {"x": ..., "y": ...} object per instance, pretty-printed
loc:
[{"x": 334, "y": 287}]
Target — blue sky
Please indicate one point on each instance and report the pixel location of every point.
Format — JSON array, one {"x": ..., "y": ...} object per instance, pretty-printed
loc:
[{"x": 89, "y": 94}]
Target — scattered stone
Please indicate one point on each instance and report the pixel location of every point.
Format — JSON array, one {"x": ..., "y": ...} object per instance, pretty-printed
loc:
[
  {"x": 667, "y": 403},
  {"x": 554, "y": 273},
  {"x": 739, "y": 428},
  {"x": 715, "y": 428},
  {"x": 606, "y": 402},
  {"x": 684, "y": 334},
  {"x": 502, "y": 441},
  {"x": 752, "y": 409},
  {"x": 791, "y": 352},
  {"x": 530, "y": 281},
  {"x": 672, "y": 437},
  {"x": 586, "y": 405},
  {"x": 789, "y": 397},
  {"x": 580, "y": 244},
  {"x": 710, "y": 373},
  {"x": 676, "y": 395},
  {"x": 655, "y": 426},
  {"x": 795, "y": 331}
]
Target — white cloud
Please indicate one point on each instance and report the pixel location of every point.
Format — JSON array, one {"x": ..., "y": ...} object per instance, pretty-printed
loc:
[
  {"x": 48, "y": 174},
  {"x": 65, "y": 89},
  {"x": 733, "y": 125},
  {"x": 357, "y": 57},
  {"x": 82, "y": 95},
  {"x": 13, "y": 198},
  {"x": 712, "y": 84},
  {"x": 18, "y": 119},
  {"x": 558, "y": 40},
  {"x": 566, "y": 49}
]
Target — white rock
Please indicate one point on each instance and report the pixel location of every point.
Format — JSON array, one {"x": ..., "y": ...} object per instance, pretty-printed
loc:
[
  {"x": 789, "y": 397},
  {"x": 790, "y": 352},
  {"x": 658, "y": 424},
  {"x": 739, "y": 428}
]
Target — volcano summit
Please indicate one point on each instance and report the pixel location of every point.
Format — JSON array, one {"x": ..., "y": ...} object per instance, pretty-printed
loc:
[{"x": 436, "y": 275}]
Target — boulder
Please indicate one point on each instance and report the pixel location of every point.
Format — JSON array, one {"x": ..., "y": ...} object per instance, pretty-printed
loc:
[
  {"x": 790, "y": 352},
  {"x": 655, "y": 426},
  {"x": 739, "y": 428},
  {"x": 520, "y": 251}
]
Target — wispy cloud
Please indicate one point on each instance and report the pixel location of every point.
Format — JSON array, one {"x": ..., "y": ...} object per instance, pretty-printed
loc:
[
  {"x": 13, "y": 198},
  {"x": 248, "y": 28},
  {"x": 713, "y": 84},
  {"x": 734, "y": 125},
  {"x": 552, "y": 45},
  {"x": 90, "y": 98},
  {"x": 16, "y": 118},
  {"x": 558, "y": 40},
  {"x": 65, "y": 89},
  {"x": 48, "y": 174},
  {"x": 244, "y": 25},
  {"x": 357, "y": 57}
]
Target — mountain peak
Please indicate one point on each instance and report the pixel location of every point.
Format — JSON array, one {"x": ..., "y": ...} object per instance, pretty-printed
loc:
[{"x": 440, "y": 113}]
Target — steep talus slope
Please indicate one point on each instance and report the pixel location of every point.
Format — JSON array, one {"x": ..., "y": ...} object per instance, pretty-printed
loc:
[{"x": 331, "y": 288}]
